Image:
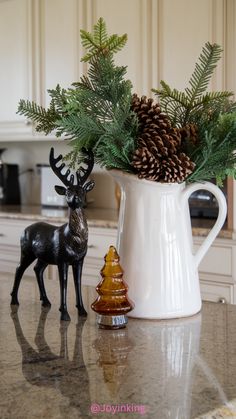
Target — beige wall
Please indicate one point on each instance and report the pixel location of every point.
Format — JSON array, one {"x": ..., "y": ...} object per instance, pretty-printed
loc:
[{"x": 165, "y": 37}]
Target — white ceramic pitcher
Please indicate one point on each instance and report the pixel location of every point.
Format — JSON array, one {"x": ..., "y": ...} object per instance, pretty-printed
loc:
[{"x": 156, "y": 248}]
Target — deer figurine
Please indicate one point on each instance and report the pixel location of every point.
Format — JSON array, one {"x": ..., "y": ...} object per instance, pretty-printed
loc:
[{"x": 62, "y": 246}]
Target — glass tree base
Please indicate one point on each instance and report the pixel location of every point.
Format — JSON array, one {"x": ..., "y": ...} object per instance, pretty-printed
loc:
[{"x": 111, "y": 322}]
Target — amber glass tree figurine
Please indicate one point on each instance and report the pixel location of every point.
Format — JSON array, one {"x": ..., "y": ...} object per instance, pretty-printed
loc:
[{"x": 112, "y": 302}]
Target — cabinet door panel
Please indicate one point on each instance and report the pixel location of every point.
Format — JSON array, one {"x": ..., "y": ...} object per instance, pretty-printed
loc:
[
  {"x": 59, "y": 44},
  {"x": 218, "y": 260},
  {"x": 15, "y": 70},
  {"x": 99, "y": 242},
  {"x": 9, "y": 260},
  {"x": 10, "y": 232}
]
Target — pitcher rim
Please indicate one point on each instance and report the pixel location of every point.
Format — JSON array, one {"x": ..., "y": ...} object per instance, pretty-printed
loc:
[{"x": 120, "y": 173}]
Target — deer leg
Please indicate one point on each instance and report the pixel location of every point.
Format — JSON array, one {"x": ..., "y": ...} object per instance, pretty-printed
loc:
[
  {"x": 77, "y": 272},
  {"x": 63, "y": 273},
  {"x": 24, "y": 263},
  {"x": 44, "y": 350},
  {"x": 28, "y": 353},
  {"x": 64, "y": 352},
  {"x": 78, "y": 358},
  {"x": 39, "y": 270}
]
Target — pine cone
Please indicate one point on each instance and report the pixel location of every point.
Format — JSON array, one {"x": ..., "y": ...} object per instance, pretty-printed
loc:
[
  {"x": 154, "y": 144},
  {"x": 146, "y": 164},
  {"x": 158, "y": 156},
  {"x": 189, "y": 133},
  {"x": 171, "y": 169},
  {"x": 149, "y": 113},
  {"x": 176, "y": 168},
  {"x": 155, "y": 123}
]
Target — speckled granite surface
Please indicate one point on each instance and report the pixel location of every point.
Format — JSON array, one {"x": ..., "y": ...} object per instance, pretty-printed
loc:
[
  {"x": 228, "y": 411},
  {"x": 175, "y": 369},
  {"x": 97, "y": 217}
]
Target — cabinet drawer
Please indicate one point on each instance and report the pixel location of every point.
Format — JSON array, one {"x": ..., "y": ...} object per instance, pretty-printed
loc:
[
  {"x": 213, "y": 291},
  {"x": 10, "y": 258},
  {"x": 10, "y": 232},
  {"x": 99, "y": 242},
  {"x": 218, "y": 260}
]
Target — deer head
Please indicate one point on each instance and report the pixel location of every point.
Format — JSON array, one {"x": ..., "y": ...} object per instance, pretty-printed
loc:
[{"x": 75, "y": 193}]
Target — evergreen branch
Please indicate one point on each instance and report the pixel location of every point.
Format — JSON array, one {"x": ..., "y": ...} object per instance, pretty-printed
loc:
[
  {"x": 109, "y": 155},
  {"x": 167, "y": 93},
  {"x": 173, "y": 102},
  {"x": 74, "y": 156},
  {"x": 83, "y": 128},
  {"x": 202, "y": 74},
  {"x": 59, "y": 98},
  {"x": 85, "y": 83},
  {"x": 95, "y": 112},
  {"x": 210, "y": 99},
  {"x": 182, "y": 107},
  {"x": 116, "y": 43},
  {"x": 45, "y": 119},
  {"x": 90, "y": 55},
  {"x": 216, "y": 156},
  {"x": 100, "y": 32},
  {"x": 99, "y": 43},
  {"x": 94, "y": 103},
  {"x": 88, "y": 41}
]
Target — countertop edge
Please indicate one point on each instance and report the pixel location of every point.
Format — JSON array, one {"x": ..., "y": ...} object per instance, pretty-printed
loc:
[
  {"x": 92, "y": 221},
  {"x": 96, "y": 221}
]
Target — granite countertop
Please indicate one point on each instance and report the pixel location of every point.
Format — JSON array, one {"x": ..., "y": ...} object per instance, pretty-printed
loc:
[
  {"x": 175, "y": 369},
  {"x": 97, "y": 217}
]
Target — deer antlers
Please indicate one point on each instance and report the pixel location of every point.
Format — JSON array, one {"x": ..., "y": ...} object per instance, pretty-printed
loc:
[{"x": 82, "y": 173}]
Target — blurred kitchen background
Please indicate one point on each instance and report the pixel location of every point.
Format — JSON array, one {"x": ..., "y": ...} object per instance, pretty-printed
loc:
[{"x": 36, "y": 179}]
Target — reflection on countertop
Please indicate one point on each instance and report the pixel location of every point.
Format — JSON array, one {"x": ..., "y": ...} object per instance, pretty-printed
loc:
[
  {"x": 97, "y": 217},
  {"x": 175, "y": 369}
]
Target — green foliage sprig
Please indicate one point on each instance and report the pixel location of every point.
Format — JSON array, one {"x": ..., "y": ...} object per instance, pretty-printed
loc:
[
  {"x": 216, "y": 156},
  {"x": 95, "y": 112},
  {"x": 45, "y": 119},
  {"x": 214, "y": 115},
  {"x": 184, "y": 107},
  {"x": 99, "y": 43}
]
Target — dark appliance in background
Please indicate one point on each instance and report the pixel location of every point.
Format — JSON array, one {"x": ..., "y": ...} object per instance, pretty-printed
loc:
[
  {"x": 203, "y": 204},
  {"x": 9, "y": 183}
]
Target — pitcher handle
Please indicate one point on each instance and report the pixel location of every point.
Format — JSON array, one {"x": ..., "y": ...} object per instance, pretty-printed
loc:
[{"x": 207, "y": 186}]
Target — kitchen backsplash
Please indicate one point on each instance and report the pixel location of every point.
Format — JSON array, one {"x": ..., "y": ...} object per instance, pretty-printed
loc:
[{"x": 29, "y": 155}]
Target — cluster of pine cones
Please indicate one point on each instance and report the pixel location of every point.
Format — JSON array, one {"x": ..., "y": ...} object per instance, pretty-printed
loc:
[{"x": 159, "y": 155}]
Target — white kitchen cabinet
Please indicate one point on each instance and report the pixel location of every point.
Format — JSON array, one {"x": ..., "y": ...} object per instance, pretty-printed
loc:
[
  {"x": 39, "y": 48},
  {"x": 60, "y": 45},
  {"x": 217, "y": 270},
  {"x": 98, "y": 245},
  {"x": 10, "y": 232},
  {"x": 99, "y": 241},
  {"x": 16, "y": 70},
  {"x": 219, "y": 260},
  {"x": 217, "y": 292}
]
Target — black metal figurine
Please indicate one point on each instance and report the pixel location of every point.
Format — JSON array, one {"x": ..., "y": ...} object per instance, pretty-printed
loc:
[{"x": 61, "y": 246}]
